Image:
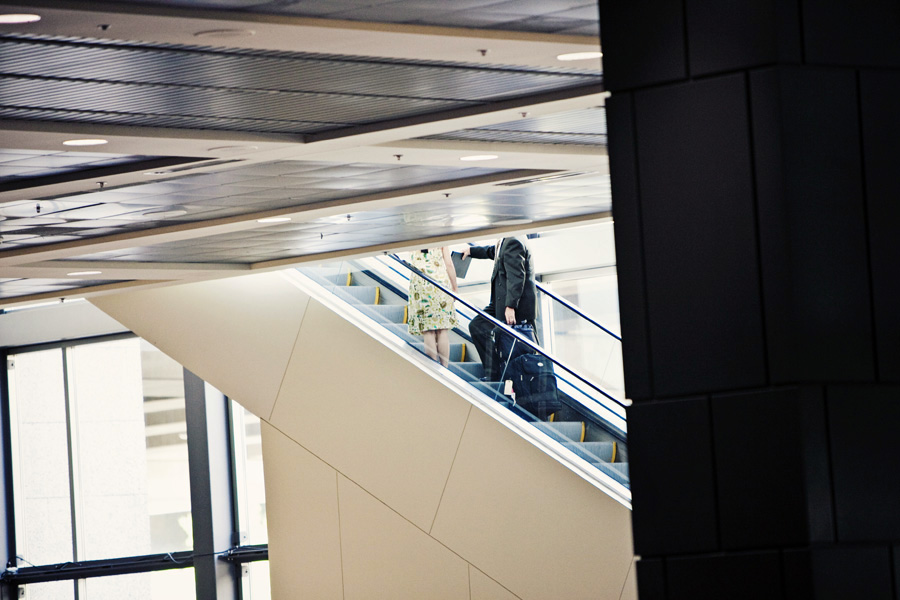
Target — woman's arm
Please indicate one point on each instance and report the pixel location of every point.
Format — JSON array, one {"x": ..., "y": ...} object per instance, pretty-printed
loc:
[{"x": 451, "y": 270}]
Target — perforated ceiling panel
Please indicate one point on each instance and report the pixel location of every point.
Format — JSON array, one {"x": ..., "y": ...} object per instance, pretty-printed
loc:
[
  {"x": 555, "y": 198},
  {"x": 193, "y": 198},
  {"x": 18, "y": 164},
  {"x": 577, "y": 127},
  {"x": 11, "y": 288},
  {"x": 573, "y": 17},
  {"x": 203, "y": 88}
]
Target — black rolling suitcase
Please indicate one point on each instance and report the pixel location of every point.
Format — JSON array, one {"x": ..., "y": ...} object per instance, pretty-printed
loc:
[
  {"x": 534, "y": 385},
  {"x": 507, "y": 347}
]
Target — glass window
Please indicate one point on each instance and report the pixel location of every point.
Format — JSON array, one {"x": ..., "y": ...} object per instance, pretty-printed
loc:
[
  {"x": 100, "y": 452},
  {"x": 43, "y": 507},
  {"x": 173, "y": 584},
  {"x": 255, "y": 584},
  {"x": 132, "y": 464},
  {"x": 251, "y": 491},
  {"x": 51, "y": 590},
  {"x": 581, "y": 344}
]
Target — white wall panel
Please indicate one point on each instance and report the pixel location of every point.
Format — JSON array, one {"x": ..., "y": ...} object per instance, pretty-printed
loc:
[
  {"x": 235, "y": 333},
  {"x": 483, "y": 587},
  {"x": 388, "y": 558},
  {"x": 304, "y": 531},
  {"x": 536, "y": 528},
  {"x": 371, "y": 414}
]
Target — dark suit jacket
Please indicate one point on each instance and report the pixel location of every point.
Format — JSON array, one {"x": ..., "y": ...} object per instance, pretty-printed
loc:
[{"x": 512, "y": 281}]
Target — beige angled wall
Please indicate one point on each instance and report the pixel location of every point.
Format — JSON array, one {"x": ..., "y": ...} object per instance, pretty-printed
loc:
[{"x": 381, "y": 482}]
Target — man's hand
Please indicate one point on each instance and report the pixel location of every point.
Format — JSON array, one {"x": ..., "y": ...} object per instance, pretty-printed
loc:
[
  {"x": 465, "y": 253},
  {"x": 510, "y": 316}
]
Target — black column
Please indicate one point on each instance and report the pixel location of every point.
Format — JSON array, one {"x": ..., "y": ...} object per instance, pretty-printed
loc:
[
  {"x": 212, "y": 510},
  {"x": 7, "y": 516},
  {"x": 755, "y": 160}
]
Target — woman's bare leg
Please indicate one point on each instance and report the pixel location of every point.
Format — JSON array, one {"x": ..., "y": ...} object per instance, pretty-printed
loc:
[
  {"x": 443, "y": 346},
  {"x": 431, "y": 348}
]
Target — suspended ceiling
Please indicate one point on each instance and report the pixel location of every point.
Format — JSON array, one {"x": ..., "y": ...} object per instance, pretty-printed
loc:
[{"x": 345, "y": 119}]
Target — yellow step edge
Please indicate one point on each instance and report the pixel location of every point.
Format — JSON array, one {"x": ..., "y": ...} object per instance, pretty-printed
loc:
[
  {"x": 349, "y": 278},
  {"x": 552, "y": 417},
  {"x": 613, "y": 459},
  {"x": 405, "y": 314},
  {"x": 583, "y": 431},
  {"x": 462, "y": 356},
  {"x": 377, "y": 293}
]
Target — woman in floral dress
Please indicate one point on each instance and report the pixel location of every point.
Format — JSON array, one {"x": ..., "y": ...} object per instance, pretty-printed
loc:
[{"x": 431, "y": 312}]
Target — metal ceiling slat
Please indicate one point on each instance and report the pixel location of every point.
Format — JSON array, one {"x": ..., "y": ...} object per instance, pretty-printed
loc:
[{"x": 298, "y": 73}]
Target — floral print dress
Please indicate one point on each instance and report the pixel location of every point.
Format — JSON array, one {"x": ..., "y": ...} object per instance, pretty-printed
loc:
[{"x": 429, "y": 307}]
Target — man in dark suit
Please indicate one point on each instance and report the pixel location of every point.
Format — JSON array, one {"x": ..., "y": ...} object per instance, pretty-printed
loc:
[{"x": 513, "y": 293}]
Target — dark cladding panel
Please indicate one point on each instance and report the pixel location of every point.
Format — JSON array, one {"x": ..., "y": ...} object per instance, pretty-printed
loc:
[
  {"x": 879, "y": 94},
  {"x": 627, "y": 28},
  {"x": 835, "y": 573},
  {"x": 672, "y": 484},
  {"x": 651, "y": 578},
  {"x": 865, "y": 453},
  {"x": 852, "y": 33},
  {"x": 749, "y": 576},
  {"x": 727, "y": 35},
  {"x": 629, "y": 252},
  {"x": 772, "y": 468},
  {"x": 700, "y": 246},
  {"x": 812, "y": 225}
]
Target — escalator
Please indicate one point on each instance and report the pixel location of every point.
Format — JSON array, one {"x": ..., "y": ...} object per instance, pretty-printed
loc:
[
  {"x": 388, "y": 476},
  {"x": 590, "y": 423}
]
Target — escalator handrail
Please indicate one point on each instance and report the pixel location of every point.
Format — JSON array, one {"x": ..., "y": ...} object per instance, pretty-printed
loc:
[
  {"x": 508, "y": 329},
  {"x": 575, "y": 309}
]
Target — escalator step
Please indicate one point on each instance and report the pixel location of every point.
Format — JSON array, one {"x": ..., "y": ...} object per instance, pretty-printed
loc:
[
  {"x": 563, "y": 431},
  {"x": 455, "y": 350},
  {"x": 470, "y": 371},
  {"x": 593, "y": 451},
  {"x": 386, "y": 313},
  {"x": 357, "y": 293},
  {"x": 618, "y": 471}
]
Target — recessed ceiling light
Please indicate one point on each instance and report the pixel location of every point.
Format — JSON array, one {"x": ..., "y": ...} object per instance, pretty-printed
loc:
[
  {"x": 225, "y": 33},
  {"x": 273, "y": 220},
  {"x": 85, "y": 142},
  {"x": 579, "y": 56},
  {"x": 479, "y": 157},
  {"x": 12, "y": 19},
  {"x": 232, "y": 149},
  {"x": 83, "y": 273}
]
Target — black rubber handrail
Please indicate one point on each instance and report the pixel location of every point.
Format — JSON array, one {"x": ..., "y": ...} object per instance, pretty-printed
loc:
[{"x": 508, "y": 329}]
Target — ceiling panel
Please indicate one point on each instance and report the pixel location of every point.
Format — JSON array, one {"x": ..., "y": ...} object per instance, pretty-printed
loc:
[
  {"x": 566, "y": 197},
  {"x": 577, "y": 17},
  {"x": 11, "y": 288},
  {"x": 193, "y": 198},
  {"x": 20, "y": 164},
  {"x": 127, "y": 83},
  {"x": 577, "y": 127}
]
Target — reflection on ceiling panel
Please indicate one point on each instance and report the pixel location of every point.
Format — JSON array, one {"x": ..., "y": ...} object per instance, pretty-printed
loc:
[
  {"x": 12, "y": 288},
  {"x": 203, "y": 197},
  {"x": 126, "y": 83},
  {"x": 578, "y": 127},
  {"x": 554, "y": 198},
  {"x": 20, "y": 164},
  {"x": 572, "y": 17}
]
